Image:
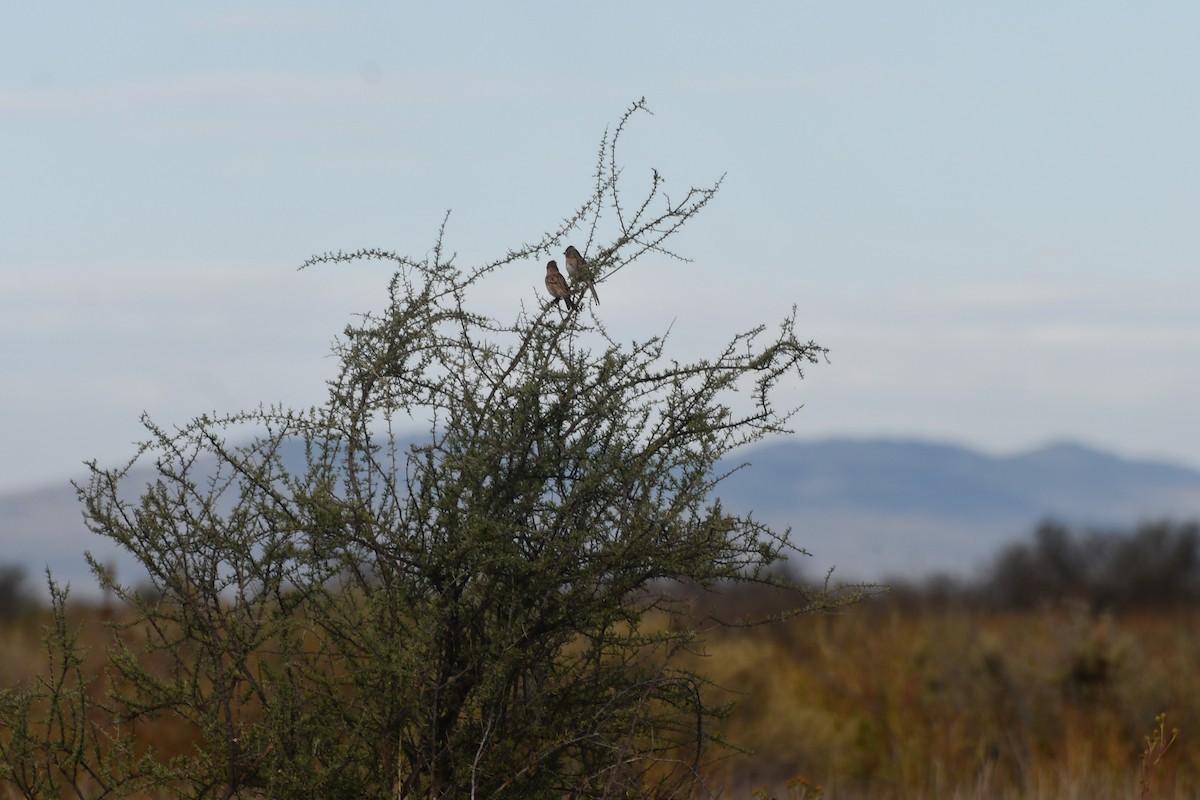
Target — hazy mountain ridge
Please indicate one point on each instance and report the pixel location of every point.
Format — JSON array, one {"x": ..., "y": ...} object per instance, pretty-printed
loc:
[
  {"x": 891, "y": 506},
  {"x": 904, "y": 475},
  {"x": 873, "y": 507}
]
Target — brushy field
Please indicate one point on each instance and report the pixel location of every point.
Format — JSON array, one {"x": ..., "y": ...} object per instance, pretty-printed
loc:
[
  {"x": 888, "y": 702},
  {"x": 880, "y": 702}
]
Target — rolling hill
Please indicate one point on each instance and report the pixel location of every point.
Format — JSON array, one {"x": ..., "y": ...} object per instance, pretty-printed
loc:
[{"x": 897, "y": 507}]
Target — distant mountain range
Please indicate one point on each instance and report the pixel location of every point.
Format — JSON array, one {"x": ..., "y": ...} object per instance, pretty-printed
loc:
[
  {"x": 878, "y": 507},
  {"x": 874, "y": 507}
]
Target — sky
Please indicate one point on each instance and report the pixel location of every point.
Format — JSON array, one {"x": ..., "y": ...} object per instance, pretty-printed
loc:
[{"x": 990, "y": 213}]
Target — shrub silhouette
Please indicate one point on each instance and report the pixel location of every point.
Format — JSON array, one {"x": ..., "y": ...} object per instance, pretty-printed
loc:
[
  {"x": 1155, "y": 566},
  {"x": 14, "y": 598}
]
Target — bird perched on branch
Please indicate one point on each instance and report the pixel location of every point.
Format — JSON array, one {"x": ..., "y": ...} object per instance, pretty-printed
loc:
[
  {"x": 556, "y": 285},
  {"x": 580, "y": 271}
]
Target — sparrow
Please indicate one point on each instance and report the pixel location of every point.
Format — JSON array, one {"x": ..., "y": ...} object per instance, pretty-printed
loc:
[
  {"x": 556, "y": 285},
  {"x": 580, "y": 271}
]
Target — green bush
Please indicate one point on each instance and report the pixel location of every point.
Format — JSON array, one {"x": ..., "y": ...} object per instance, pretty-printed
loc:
[{"x": 478, "y": 613}]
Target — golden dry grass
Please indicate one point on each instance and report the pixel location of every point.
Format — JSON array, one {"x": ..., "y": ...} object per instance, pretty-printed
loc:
[
  {"x": 882, "y": 703},
  {"x": 879, "y": 703}
]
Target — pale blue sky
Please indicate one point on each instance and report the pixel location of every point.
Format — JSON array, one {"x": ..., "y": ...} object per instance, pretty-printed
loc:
[{"x": 990, "y": 214}]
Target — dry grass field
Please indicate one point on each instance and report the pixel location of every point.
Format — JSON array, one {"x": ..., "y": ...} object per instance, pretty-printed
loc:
[{"x": 884, "y": 702}]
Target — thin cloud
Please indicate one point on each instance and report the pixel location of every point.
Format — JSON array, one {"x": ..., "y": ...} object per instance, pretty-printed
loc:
[
  {"x": 803, "y": 82},
  {"x": 264, "y": 20},
  {"x": 261, "y": 90},
  {"x": 1115, "y": 335},
  {"x": 198, "y": 91}
]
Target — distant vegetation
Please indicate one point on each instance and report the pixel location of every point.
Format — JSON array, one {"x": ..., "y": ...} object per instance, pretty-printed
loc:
[
  {"x": 14, "y": 595},
  {"x": 1155, "y": 566}
]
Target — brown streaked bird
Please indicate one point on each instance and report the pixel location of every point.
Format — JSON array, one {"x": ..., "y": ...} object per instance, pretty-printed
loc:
[
  {"x": 580, "y": 271},
  {"x": 556, "y": 285}
]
